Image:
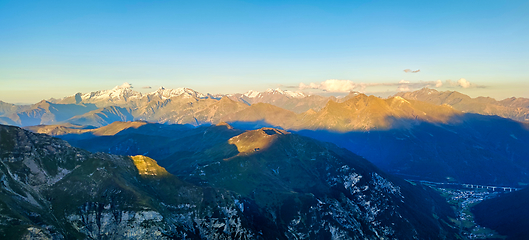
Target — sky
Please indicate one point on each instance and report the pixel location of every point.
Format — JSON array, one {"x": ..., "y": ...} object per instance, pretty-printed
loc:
[{"x": 58, "y": 48}]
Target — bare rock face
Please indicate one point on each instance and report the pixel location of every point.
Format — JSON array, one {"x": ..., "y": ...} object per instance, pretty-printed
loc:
[
  {"x": 95, "y": 223},
  {"x": 51, "y": 190}
]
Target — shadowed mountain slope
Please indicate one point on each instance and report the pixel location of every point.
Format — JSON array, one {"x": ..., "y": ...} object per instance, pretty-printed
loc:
[
  {"x": 9, "y": 108},
  {"x": 316, "y": 189},
  {"x": 290, "y": 187},
  {"x": 506, "y": 214},
  {"x": 102, "y": 117},
  {"x": 407, "y": 137},
  {"x": 46, "y": 112},
  {"x": 133, "y": 138},
  {"x": 70, "y": 129},
  {"x": 471, "y": 148},
  {"x": 52, "y": 190}
]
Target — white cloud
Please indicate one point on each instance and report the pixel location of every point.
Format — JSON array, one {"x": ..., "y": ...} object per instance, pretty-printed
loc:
[
  {"x": 463, "y": 83},
  {"x": 341, "y": 86},
  {"x": 146, "y": 87},
  {"x": 331, "y": 85}
]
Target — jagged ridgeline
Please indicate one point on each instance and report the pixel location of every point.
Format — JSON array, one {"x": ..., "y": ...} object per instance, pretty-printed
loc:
[
  {"x": 273, "y": 107},
  {"x": 261, "y": 184}
]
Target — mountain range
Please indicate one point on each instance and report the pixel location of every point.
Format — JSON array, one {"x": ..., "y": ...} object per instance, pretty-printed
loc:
[
  {"x": 514, "y": 108},
  {"x": 176, "y": 163},
  {"x": 186, "y": 106},
  {"x": 410, "y": 138}
]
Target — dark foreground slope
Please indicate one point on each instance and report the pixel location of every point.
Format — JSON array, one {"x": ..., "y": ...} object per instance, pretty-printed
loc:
[
  {"x": 286, "y": 186},
  {"x": 305, "y": 188},
  {"x": 52, "y": 190},
  {"x": 508, "y": 214}
]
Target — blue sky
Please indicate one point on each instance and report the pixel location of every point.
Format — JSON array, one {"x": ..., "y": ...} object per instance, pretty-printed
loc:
[{"x": 54, "y": 49}]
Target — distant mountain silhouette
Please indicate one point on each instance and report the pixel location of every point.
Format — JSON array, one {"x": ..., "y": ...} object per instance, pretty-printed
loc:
[{"x": 514, "y": 108}]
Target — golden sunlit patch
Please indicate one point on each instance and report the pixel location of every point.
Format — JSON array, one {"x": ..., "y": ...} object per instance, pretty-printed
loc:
[
  {"x": 116, "y": 127},
  {"x": 255, "y": 141},
  {"x": 148, "y": 167}
]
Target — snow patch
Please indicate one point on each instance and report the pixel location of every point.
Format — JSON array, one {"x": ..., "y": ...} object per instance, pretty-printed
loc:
[
  {"x": 164, "y": 93},
  {"x": 287, "y": 93},
  {"x": 252, "y": 94}
]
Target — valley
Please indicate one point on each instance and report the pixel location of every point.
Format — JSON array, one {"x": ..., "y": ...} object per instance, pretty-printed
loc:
[{"x": 463, "y": 200}]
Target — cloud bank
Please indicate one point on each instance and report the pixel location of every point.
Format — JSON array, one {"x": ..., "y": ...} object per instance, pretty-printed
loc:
[
  {"x": 343, "y": 86},
  {"x": 332, "y": 85},
  {"x": 462, "y": 83}
]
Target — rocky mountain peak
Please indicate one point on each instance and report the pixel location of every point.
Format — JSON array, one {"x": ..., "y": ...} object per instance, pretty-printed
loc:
[
  {"x": 123, "y": 93},
  {"x": 252, "y": 94},
  {"x": 256, "y": 140},
  {"x": 164, "y": 93},
  {"x": 286, "y": 93},
  {"x": 228, "y": 126},
  {"x": 125, "y": 85}
]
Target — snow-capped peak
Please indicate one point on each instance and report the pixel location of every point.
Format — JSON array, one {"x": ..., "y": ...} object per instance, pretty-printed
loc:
[
  {"x": 286, "y": 93},
  {"x": 295, "y": 94},
  {"x": 169, "y": 93},
  {"x": 252, "y": 94},
  {"x": 277, "y": 90},
  {"x": 122, "y": 92}
]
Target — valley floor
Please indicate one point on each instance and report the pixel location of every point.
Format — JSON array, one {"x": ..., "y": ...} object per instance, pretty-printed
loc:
[{"x": 462, "y": 200}]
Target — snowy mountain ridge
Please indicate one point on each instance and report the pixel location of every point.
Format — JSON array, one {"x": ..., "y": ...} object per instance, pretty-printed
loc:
[
  {"x": 125, "y": 93},
  {"x": 164, "y": 93},
  {"x": 290, "y": 94}
]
